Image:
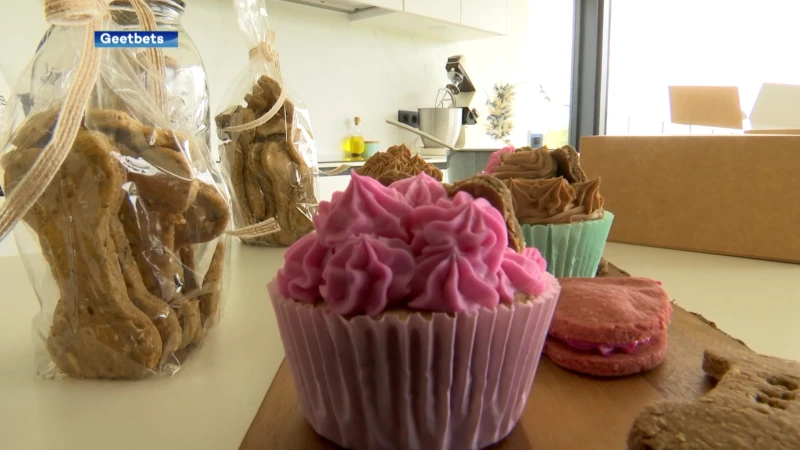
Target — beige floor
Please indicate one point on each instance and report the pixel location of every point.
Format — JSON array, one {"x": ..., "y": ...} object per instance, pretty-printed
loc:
[{"x": 755, "y": 301}]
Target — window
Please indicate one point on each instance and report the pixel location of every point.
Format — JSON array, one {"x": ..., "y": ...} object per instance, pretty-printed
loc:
[
  {"x": 655, "y": 44},
  {"x": 550, "y": 34}
]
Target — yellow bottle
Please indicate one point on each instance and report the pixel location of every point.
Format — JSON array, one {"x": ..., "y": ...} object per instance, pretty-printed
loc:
[{"x": 355, "y": 142}]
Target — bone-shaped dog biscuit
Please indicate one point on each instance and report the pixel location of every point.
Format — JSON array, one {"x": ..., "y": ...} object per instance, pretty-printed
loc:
[
  {"x": 96, "y": 330},
  {"x": 755, "y": 405},
  {"x": 163, "y": 317}
]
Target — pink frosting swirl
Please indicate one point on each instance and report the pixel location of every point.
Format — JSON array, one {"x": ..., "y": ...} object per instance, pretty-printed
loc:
[
  {"x": 365, "y": 207},
  {"x": 521, "y": 273},
  {"x": 420, "y": 190},
  {"x": 459, "y": 246},
  {"x": 472, "y": 226},
  {"x": 449, "y": 281},
  {"x": 366, "y": 275},
  {"x": 324, "y": 208},
  {"x": 495, "y": 157},
  {"x": 301, "y": 275},
  {"x": 409, "y": 245}
]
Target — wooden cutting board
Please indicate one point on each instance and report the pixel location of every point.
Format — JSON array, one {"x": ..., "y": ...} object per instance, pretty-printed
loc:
[{"x": 565, "y": 410}]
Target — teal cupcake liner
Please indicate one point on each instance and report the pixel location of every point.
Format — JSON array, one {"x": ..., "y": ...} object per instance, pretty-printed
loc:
[{"x": 570, "y": 249}]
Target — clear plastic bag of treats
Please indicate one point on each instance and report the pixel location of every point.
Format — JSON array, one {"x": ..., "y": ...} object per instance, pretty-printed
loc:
[
  {"x": 266, "y": 146},
  {"x": 122, "y": 219}
]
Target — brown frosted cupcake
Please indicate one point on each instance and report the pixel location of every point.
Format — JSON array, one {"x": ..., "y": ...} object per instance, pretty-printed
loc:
[{"x": 560, "y": 211}]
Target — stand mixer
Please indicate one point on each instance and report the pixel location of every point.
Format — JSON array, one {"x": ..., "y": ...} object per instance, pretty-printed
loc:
[{"x": 445, "y": 122}]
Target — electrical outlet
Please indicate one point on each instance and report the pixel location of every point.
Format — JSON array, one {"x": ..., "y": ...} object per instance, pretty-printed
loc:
[{"x": 410, "y": 118}]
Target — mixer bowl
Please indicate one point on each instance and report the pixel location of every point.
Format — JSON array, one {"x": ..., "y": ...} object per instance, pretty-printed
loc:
[{"x": 441, "y": 123}]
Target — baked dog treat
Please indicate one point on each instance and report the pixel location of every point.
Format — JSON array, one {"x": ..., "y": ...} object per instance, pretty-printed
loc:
[
  {"x": 569, "y": 165},
  {"x": 496, "y": 193},
  {"x": 165, "y": 188},
  {"x": 121, "y": 127},
  {"x": 295, "y": 202},
  {"x": 163, "y": 177},
  {"x": 157, "y": 310},
  {"x": 602, "y": 269},
  {"x": 395, "y": 164},
  {"x": 268, "y": 175},
  {"x": 115, "y": 225},
  {"x": 96, "y": 331},
  {"x": 37, "y": 129},
  {"x": 233, "y": 158},
  {"x": 189, "y": 318},
  {"x": 753, "y": 406},
  {"x": 717, "y": 363},
  {"x": 188, "y": 266},
  {"x": 205, "y": 219},
  {"x": 210, "y": 300},
  {"x": 151, "y": 236},
  {"x": 609, "y": 326}
]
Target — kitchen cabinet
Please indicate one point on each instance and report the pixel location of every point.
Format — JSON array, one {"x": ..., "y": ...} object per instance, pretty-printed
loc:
[
  {"x": 489, "y": 15},
  {"x": 443, "y": 20},
  {"x": 394, "y": 5},
  {"x": 352, "y": 6},
  {"x": 445, "y": 10}
]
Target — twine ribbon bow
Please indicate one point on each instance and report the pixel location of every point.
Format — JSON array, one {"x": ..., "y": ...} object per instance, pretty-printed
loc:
[
  {"x": 266, "y": 50},
  {"x": 89, "y": 14}
]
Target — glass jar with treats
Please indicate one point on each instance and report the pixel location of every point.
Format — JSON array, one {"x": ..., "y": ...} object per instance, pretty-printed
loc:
[{"x": 185, "y": 74}]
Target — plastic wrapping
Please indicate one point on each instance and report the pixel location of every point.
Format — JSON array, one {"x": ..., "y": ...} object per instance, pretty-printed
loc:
[
  {"x": 267, "y": 148},
  {"x": 126, "y": 247}
]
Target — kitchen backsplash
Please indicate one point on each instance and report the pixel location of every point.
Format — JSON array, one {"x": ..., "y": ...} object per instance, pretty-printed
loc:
[{"x": 338, "y": 68}]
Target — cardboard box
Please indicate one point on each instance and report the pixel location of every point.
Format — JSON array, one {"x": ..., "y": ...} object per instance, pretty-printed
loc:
[
  {"x": 770, "y": 131},
  {"x": 775, "y": 111},
  {"x": 732, "y": 195}
]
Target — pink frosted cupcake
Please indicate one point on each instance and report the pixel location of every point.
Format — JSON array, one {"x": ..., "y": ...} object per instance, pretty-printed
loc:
[{"x": 407, "y": 321}]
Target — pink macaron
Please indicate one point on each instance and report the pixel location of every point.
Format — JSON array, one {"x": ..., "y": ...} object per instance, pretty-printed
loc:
[{"x": 609, "y": 326}]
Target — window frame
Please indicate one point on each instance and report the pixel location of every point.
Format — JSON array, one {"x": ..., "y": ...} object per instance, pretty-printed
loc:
[{"x": 590, "y": 52}]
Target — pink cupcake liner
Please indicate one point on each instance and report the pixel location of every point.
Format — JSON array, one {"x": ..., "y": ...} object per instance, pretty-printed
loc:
[{"x": 423, "y": 381}]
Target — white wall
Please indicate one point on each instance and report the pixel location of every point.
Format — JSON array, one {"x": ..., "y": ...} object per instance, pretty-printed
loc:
[{"x": 339, "y": 69}]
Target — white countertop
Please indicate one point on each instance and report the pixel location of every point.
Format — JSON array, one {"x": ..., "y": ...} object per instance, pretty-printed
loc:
[{"x": 210, "y": 403}]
